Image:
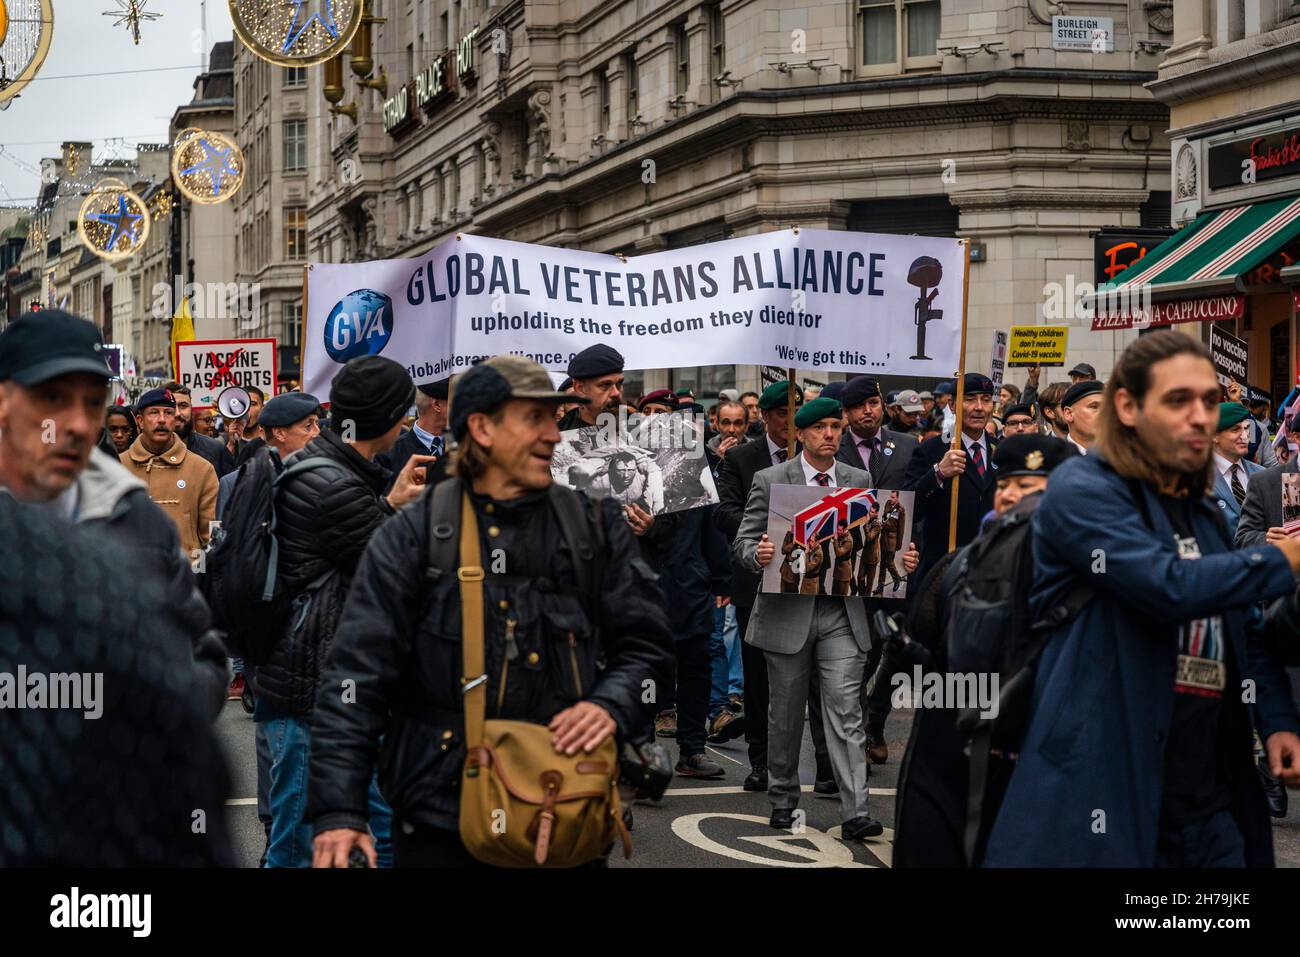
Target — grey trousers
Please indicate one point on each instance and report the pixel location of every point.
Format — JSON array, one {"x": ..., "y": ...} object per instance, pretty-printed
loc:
[{"x": 839, "y": 663}]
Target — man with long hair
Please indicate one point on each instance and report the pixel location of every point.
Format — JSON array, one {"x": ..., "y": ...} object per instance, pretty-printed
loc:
[{"x": 1138, "y": 747}]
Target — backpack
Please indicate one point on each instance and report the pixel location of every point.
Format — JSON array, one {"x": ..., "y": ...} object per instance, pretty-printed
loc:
[
  {"x": 989, "y": 629},
  {"x": 241, "y": 582}
]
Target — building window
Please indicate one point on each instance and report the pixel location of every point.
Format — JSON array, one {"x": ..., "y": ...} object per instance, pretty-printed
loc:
[
  {"x": 633, "y": 101},
  {"x": 295, "y": 232},
  {"x": 294, "y": 77},
  {"x": 682, "y": 57},
  {"x": 717, "y": 41},
  {"x": 602, "y": 100},
  {"x": 886, "y": 27},
  {"x": 291, "y": 334},
  {"x": 295, "y": 145}
]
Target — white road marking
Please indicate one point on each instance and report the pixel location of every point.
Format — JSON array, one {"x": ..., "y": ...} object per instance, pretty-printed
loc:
[
  {"x": 242, "y": 801},
  {"x": 727, "y": 756},
  {"x": 807, "y": 788},
  {"x": 826, "y": 851}
]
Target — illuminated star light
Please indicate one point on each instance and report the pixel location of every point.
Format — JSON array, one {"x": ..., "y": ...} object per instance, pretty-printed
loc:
[
  {"x": 118, "y": 221},
  {"x": 325, "y": 19},
  {"x": 216, "y": 163}
]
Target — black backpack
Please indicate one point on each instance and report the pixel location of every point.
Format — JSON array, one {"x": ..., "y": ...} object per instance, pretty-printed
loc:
[
  {"x": 240, "y": 583},
  {"x": 989, "y": 629}
]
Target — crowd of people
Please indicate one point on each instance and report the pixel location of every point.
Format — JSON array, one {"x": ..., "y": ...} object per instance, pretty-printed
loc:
[{"x": 416, "y": 613}]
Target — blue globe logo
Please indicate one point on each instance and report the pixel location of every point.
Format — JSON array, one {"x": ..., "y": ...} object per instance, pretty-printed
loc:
[{"x": 360, "y": 325}]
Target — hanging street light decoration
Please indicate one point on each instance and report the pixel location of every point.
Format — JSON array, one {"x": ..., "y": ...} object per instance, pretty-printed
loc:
[
  {"x": 207, "y": 167},
  {"x": 296, "y": 32},
  {"x": 26, "y": 28},
  {"x": 114, "y": 221},
  {"x": 129, "y": 13}
]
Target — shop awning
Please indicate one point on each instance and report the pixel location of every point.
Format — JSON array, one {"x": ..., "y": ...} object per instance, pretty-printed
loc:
[{"x": 1194, "y": 275}]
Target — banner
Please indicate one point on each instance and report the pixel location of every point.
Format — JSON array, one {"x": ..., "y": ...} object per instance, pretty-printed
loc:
[
  {"x": 812, "y": 299},
  {"x": 1207, "y": 309},
  {"x": 1228, "y": 353},
  {"x": 1038, "y": 345},
  {"x": 208, "y": 366},
  {"x": 998, "y": 367}
]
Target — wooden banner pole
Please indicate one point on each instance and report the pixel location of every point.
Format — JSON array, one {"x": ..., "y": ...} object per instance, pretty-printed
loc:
[
  {"x": 302, "y": 331},
  {"x": 789, "y": 427},
  {"x": 960, "y": 397}
]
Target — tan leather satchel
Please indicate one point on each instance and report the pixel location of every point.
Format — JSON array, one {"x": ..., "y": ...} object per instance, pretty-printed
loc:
[{"x": 521, "y": 803}]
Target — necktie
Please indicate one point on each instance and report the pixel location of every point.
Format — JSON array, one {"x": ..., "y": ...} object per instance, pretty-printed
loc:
[
  {"x": 780, "y": 455},
  {"x": 822, "y": 479},
  {"x": 977, "y": 458},
  {"x": 1238, "y": 492},
  {"x": 436, "y": 447}
]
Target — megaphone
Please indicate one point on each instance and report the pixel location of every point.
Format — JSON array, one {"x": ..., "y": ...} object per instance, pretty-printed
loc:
[{"x": 233, "y": 402}]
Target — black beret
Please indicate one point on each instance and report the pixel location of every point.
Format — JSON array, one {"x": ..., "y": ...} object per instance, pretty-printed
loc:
[
  {"x": 947, "y": 387},
  {"x": 858, "y": 390},
  {"x": 155, "y": 397},
  {"x": 1081, "y": 390},
  {"x": 977, "y": 384},
  {"x": 1030, "y": 454},
  {"x": 286, "y": 409},
  {"x": 1019, "y": 408},
  {"x": 436, "y": 390},
  {"x": 834, "y": 390},
  {"x": 594, "y": 362}
]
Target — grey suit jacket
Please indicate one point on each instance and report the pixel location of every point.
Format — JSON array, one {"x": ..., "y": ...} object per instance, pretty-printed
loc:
[
  {"x": 1262, "y": 509},
  {"x": 782, "y": 623},
  {"x": 890, "y": 466},
  {"x": 1227, "y": 502}
]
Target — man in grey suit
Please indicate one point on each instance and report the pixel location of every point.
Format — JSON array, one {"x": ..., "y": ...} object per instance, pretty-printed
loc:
[
  {"x": 1261, "y": 512},
  {"x": 798, "y": 633},
  {"x": 1231, "y": 467}
]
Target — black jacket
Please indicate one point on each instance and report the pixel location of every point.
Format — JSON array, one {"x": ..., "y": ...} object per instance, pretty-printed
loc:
[
  {"x": 693, "y": 561},
  {"x": 408, "y": 444},
  {"x": 734, "y": 480},
  {"x": 933, "y": 501},
  {"x": 325, "y": 518},
  {"x": 119, "y": 781},
  {"x": 400, "y": 640},
  {"x": 212, "y": 450},
  {"x": 889, "y": 467}
]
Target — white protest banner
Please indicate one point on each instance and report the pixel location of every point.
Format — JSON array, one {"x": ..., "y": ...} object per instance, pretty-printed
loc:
[
  {"x": 999, "y": 364},
  {"x": 812, "y": 299},
  {"x": 209, "y": 365}
]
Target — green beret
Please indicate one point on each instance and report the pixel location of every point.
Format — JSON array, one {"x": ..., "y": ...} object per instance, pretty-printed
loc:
[
  {"x": 1231, "y": 413},
  {"x": 816, "y": 410},
  {"x": 777, "y": 394}
]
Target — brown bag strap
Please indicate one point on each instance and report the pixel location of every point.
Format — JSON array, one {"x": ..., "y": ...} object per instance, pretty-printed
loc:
[{"x": 474, "y": 681}]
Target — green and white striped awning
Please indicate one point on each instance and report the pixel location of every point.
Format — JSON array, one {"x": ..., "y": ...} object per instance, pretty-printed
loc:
[{"x": 1214, "y": 251}]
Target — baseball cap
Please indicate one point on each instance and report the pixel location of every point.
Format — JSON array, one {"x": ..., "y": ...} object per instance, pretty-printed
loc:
[
  {"x": 40, "y": 346},
  {"x": 497, "y": 380},
  {"x": 909, "y": 401}
]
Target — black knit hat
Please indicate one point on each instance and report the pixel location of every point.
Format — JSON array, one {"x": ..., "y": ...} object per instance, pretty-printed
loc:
[{"x": 371, "y": 392}]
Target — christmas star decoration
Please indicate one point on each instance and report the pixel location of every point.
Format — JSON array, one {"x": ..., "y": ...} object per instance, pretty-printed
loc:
[
  {"x": 120, "y": 221},
  {"x": 129, "y": 13},
  {"x": 216, "y": 163},
  {"x": 324, "y": 16}
]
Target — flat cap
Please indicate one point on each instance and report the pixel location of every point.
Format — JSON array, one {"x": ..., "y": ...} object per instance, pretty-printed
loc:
[
  {"x": 497, "y": 380},
  {"x": 594, "y": 362},
  {"x": 1030, "y": 454},
  {"x": 1083, "y": 369},
  {"x": 777, "y": 394},
  {"x": 816, "y": 410},
  {"x": 286, "y": 409},
  {"x": 1081, "y": 390}
]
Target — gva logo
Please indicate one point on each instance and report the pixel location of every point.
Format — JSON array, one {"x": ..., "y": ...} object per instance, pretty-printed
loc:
[{"x": 360, "y": 325}]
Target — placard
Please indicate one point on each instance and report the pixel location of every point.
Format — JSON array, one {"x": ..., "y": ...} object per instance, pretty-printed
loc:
[
  {"x": 208, "y": 366},
  {"x": 1038, "y": 345}
]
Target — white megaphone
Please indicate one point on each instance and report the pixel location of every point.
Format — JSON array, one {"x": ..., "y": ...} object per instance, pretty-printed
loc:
[{"x": 233, "y": 402}]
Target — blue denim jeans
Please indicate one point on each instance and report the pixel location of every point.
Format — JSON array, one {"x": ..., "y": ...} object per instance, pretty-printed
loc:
[
  {"x": 724, "y": 648},
  {"x": 291, "y": 836}
]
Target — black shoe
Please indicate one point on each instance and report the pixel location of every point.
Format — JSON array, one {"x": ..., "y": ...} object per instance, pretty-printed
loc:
[
  {"x": 782, "y": 818},
  {"x": 757, "y": 780},
  {"x": 860, "y": 827},
  {"x": 1273, "y": 791},
  {"x": 826, "y": 789}
]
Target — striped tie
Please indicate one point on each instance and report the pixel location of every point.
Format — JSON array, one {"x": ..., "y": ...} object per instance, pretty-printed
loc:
[
  {"x": 977, "y": 458},
  {"x": 822, "y": 479},
  {"x": 780, "y": 456},
  {"x": 1238, "y": 492}
]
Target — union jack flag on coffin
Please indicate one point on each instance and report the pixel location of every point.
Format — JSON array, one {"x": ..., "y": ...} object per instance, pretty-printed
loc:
[{"x": 818, "y": 521}]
